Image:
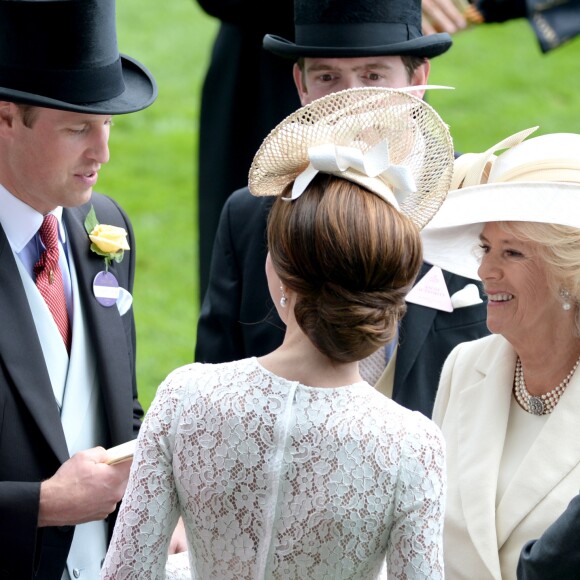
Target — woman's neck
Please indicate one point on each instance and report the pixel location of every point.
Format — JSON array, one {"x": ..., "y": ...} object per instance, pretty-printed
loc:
[
  {"x": 299, "y": 360},
  {"x": 546, "y": 365}
]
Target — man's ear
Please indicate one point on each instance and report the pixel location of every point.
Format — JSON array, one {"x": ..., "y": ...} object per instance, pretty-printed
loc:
[
  {"x": 421, "y": 77},
  {"x": 300, "y": 83},
  {"x": 6, "y": 114}
]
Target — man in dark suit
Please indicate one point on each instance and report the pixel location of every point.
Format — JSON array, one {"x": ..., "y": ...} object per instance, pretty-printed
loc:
[
  {"x": 339, "y": 44},
  {"x": 67, "y": 333},
  {"x": 233, "y": 120},
  {"x": 556, "y": 554}
]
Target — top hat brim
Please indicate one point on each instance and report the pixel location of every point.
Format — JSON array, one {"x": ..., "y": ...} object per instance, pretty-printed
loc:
[
  {"x": 428, "y": 46},
  {"x": 140, "y": 91}
]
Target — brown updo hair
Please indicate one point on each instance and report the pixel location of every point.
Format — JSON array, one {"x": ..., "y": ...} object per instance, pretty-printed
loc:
[{"x": 351, "y": 258}]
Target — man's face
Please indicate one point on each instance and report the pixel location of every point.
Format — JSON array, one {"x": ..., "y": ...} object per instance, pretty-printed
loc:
[
  {"x": 56, "y": 160},
  {"x": 323, "y": 76}
]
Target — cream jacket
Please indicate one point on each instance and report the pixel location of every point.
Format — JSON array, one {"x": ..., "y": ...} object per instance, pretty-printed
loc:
[{"x": 472, "y": 409}]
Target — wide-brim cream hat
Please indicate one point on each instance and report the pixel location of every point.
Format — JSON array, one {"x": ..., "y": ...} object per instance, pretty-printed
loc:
[
  {"x": 537, "y": 180},
  {"x": 387, "y": 140}
]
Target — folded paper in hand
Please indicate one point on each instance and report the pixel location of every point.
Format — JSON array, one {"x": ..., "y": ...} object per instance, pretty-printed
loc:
[{"x": 121, "y": 453}]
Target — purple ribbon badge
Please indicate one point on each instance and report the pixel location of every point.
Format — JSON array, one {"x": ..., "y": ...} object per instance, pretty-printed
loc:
[{"x": 106, "y": 289}]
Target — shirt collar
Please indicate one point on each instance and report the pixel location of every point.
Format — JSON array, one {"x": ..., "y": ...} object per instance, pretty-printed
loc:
[{"x": 21, "y": 222}]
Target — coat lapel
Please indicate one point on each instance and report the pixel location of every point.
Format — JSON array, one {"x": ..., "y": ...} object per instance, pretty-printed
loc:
[
  {"x": 107, "y": 331},
  {"x": 535, "y": 478},
  {"x": 24, "y": 359},
  {"x": 483, "y": 416}
]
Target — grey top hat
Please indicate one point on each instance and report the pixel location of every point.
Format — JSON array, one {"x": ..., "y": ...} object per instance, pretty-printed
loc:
[
  {"x": 354, "y": 28},
  {"x": 62, "y": 54}
]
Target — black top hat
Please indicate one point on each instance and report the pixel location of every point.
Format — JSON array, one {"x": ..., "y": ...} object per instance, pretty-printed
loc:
[
  {"x": 62, "y": 54},
  {"x": 351, "y": 28}
]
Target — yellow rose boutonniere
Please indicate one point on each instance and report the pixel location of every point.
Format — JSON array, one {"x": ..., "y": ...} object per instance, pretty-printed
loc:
[{"x": 107, "y": 241}]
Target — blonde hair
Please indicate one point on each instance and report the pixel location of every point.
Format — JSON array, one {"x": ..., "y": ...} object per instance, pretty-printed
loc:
[
  {"x": 28, "y": 114},
  {"x": 559, "y": 247},
  {"x": 351, "y": 258}
]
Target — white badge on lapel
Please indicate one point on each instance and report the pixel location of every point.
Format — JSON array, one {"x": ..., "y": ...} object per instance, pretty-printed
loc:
[
  {"x": 108, "y": 292},
  {"x": 431, "y": 291},
  {"x": 468, "y": 296}
]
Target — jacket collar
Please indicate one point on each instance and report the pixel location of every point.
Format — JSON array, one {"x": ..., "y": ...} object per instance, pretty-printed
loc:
[{"x": 481, "y": 438}]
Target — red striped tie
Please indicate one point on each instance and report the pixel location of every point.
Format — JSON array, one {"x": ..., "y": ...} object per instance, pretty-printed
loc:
[{"x": 49, "y": 277}]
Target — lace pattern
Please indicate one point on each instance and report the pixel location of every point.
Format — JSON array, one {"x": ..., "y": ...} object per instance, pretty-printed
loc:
[{"x": 274, "y": 479}]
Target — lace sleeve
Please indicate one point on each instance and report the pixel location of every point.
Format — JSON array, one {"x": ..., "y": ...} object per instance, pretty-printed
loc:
[
  {"x": 150, "y": 507},
  {"x": 416, "y": 545}
]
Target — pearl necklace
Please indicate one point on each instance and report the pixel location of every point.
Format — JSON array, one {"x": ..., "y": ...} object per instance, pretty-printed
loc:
[{"x": 545, "y": 403}]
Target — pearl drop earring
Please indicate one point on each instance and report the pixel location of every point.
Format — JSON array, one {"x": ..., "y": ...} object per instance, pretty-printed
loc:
[
  {"x": 283, "y": 300},
  {"x": 565, "y": 295}
]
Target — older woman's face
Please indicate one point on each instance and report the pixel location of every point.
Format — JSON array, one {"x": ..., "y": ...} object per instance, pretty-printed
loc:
[{"x": 520, "y": 302}]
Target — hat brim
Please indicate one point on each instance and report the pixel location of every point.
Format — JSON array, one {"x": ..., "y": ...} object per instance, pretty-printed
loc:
[
  {"x": 451, "y": 238},
  {"x": 428, "y": 46},
  {"x": 140, "y": 91}
]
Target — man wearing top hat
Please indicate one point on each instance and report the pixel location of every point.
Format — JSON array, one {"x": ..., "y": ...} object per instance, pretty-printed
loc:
[
  {"x": 340, "y": 44},
  {"x": 67, "y": 335}
]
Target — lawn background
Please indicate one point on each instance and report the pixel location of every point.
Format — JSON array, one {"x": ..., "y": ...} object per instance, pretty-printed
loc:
[{"x": 503, "y": 84}]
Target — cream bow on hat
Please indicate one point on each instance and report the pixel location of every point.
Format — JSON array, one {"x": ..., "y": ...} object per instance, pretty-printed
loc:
[
  {"x": 537, "y": 180},
  {"x": 386, "y": 140},
  {"x": 336, "y": 160}
]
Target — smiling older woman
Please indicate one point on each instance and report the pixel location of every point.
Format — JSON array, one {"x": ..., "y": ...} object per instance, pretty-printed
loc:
[{"x": 508, "y": 404}]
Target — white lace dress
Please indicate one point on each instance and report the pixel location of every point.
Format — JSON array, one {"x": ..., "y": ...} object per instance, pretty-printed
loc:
[{"x": 274, "y": 479}]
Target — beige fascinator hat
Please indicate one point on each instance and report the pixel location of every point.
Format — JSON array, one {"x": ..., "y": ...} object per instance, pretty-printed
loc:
[
  {"x": 537, "y": 180},
  {"x": 386, "y": 140}
]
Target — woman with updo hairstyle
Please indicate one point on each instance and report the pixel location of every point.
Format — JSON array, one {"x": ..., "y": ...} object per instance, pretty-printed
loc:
[
  {"x": 290, "y": 465},
  {"x": 350, "y": 258}
]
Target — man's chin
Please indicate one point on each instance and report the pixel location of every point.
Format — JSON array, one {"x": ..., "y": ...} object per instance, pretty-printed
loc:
[{"x": 80, "y": 199}]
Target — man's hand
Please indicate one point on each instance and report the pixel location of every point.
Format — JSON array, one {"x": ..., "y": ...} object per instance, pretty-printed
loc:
[
  {"x": 84, "y": 489},
  {"x": 442, "y": 16}
]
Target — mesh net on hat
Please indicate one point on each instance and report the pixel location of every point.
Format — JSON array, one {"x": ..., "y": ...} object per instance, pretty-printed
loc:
[{"x": 362, "y": 118}]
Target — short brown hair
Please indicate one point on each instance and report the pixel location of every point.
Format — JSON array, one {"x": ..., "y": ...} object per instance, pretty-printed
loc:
[
  {"x": 27, "y": 113},
  {"x": 351, "y": 258}
]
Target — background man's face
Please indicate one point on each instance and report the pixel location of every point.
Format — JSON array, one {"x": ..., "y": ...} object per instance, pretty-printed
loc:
[{"x": 322, "y": 76}]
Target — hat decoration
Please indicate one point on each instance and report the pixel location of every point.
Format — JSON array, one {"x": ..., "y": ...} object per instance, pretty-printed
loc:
[
  {"x": 386, "y": 140},
  {"x": 533, "y": 180},
  {"x": 335, "y": 160}
]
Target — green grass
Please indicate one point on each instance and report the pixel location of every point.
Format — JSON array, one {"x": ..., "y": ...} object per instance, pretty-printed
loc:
[
  {"x": 502, "y": 84},
  {"x": 152, "y": 173}
]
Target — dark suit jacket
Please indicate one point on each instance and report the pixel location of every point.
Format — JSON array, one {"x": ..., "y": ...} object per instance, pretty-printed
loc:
[
  {"x": 247, "y": 91},
  {"x": 556, "y": 554},
  {"x": 238, "y": 318},
  {"x": 32, "y": 442}
]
